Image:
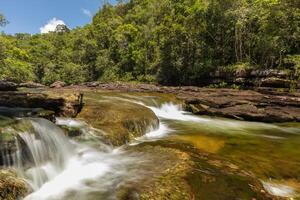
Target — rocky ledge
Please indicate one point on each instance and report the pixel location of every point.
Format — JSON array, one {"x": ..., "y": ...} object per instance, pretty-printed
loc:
[
  {"x": 68, "y": 105},
  {"x": 258, "y": 104},
  {"x": 244, "y": 104}
]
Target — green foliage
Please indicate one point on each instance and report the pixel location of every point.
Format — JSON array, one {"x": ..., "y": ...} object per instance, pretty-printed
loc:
[
  {"x": 16, "y": 70},
  {"x": 172, "y": 42}
]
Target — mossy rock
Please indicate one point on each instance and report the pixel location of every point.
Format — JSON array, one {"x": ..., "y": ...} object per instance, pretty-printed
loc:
[
  {"x": 11, "y": 186},
  {"x": 71, "y": 131},
  {"x": 121, "y": 121}
]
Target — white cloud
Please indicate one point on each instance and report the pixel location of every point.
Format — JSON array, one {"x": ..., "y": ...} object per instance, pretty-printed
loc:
[
  {"x": 86, "y": 12},
  {"x": 51, "y": 25}
]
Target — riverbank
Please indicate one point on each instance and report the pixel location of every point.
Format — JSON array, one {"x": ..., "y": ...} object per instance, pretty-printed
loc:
[{"x": 256, "y": 104}]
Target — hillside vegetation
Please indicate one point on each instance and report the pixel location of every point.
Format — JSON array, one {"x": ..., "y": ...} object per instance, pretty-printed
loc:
[{"x": 171, "y": 42}]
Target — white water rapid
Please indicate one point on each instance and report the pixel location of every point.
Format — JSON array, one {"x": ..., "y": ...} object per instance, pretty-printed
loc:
[{"x": 58, "y": 168}]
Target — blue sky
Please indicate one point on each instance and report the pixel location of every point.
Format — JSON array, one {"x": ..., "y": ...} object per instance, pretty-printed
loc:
[{"x": 28, "y": 16}]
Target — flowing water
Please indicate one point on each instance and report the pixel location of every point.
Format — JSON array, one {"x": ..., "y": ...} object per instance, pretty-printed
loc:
[
  {"x": 57, "y": 167},
  {"x": 61, "y": 168}
]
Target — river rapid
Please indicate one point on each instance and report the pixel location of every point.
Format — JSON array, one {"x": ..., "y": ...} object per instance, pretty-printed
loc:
[{"x": 89, "y": 168}]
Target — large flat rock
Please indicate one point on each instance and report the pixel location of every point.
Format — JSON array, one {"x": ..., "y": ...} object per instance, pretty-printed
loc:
[
  {"x": 67, "y": 105},
  {"x": 244, "y": 104}
]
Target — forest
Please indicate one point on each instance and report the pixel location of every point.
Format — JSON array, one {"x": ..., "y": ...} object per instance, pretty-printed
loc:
[{"x": 170, "y": 42}]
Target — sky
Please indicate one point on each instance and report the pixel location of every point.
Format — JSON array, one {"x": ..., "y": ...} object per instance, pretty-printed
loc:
[{"x": 41, "y": 16}]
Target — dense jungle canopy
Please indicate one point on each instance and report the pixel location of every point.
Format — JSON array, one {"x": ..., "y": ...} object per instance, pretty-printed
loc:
[{"x": 171, "y": 42}]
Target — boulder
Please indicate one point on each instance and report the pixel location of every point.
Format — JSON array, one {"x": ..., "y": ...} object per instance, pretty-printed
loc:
[
  {"x": 7, "y": 86},
  {"x": 118, "y": 121},
  {"x": 58, "y": 84}
]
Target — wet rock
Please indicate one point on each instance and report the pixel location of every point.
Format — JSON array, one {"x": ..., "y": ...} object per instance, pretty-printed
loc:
[
  {"x": 31, "y": 84},
  {"x": 58, "y": 84},
  {"x": 71, "y": 131},
  {"x": 9, "y": 135},
  {"x": 118, "y": 121},
  {"x": 7, "y": 86},
  {"x": 12, "y": 187}
]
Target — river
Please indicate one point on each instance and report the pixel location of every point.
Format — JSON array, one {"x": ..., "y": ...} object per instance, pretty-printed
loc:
[{"x": 89, "y": 168}]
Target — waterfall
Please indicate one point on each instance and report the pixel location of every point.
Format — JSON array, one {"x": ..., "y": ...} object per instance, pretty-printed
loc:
[
  {"x": 48, "y": 150},
  {"x": 57, "y": 167}
]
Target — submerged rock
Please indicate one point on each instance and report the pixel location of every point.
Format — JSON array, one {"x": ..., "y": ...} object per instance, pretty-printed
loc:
[{"x": 181, "y": 172}]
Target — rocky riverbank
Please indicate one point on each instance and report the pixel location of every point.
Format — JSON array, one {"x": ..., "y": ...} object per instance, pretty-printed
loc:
[{"x": 259, "y": 104}]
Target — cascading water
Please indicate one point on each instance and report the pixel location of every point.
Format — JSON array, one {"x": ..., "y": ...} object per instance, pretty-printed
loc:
[
  {"x": 48, "y": 149},
  {"x": 59, "y": 168}
]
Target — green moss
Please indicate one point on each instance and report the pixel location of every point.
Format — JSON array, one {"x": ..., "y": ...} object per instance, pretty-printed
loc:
[{"x": 121, "y": 121}]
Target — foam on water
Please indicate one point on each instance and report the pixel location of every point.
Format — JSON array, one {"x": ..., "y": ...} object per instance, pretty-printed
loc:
[
  {"x": 175, "y": 112},
  {"x": 58, "y": 168},
  {"x": 69, "y": 122},
  {"x": 279, "y": 190}
]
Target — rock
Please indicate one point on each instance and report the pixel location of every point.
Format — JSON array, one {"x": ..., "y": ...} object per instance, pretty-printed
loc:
[
  {"x": 92, "y": 84},
  {"x": 261, "y": 104},
  {"x": 68, "y": 105},
  {"x": 31, "y": 84},
  {"x": 119, "y": 121},
  {"x": 58, "y": 84},
  {"x": 27, "y": 112},
  {"x": 243, "y": 104},
  {"x": 7, "y": 86},
  {"x": 270, "y": 73},
  {"x": 275, "y": 82},
  {"x": 11, "y": 186}
]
